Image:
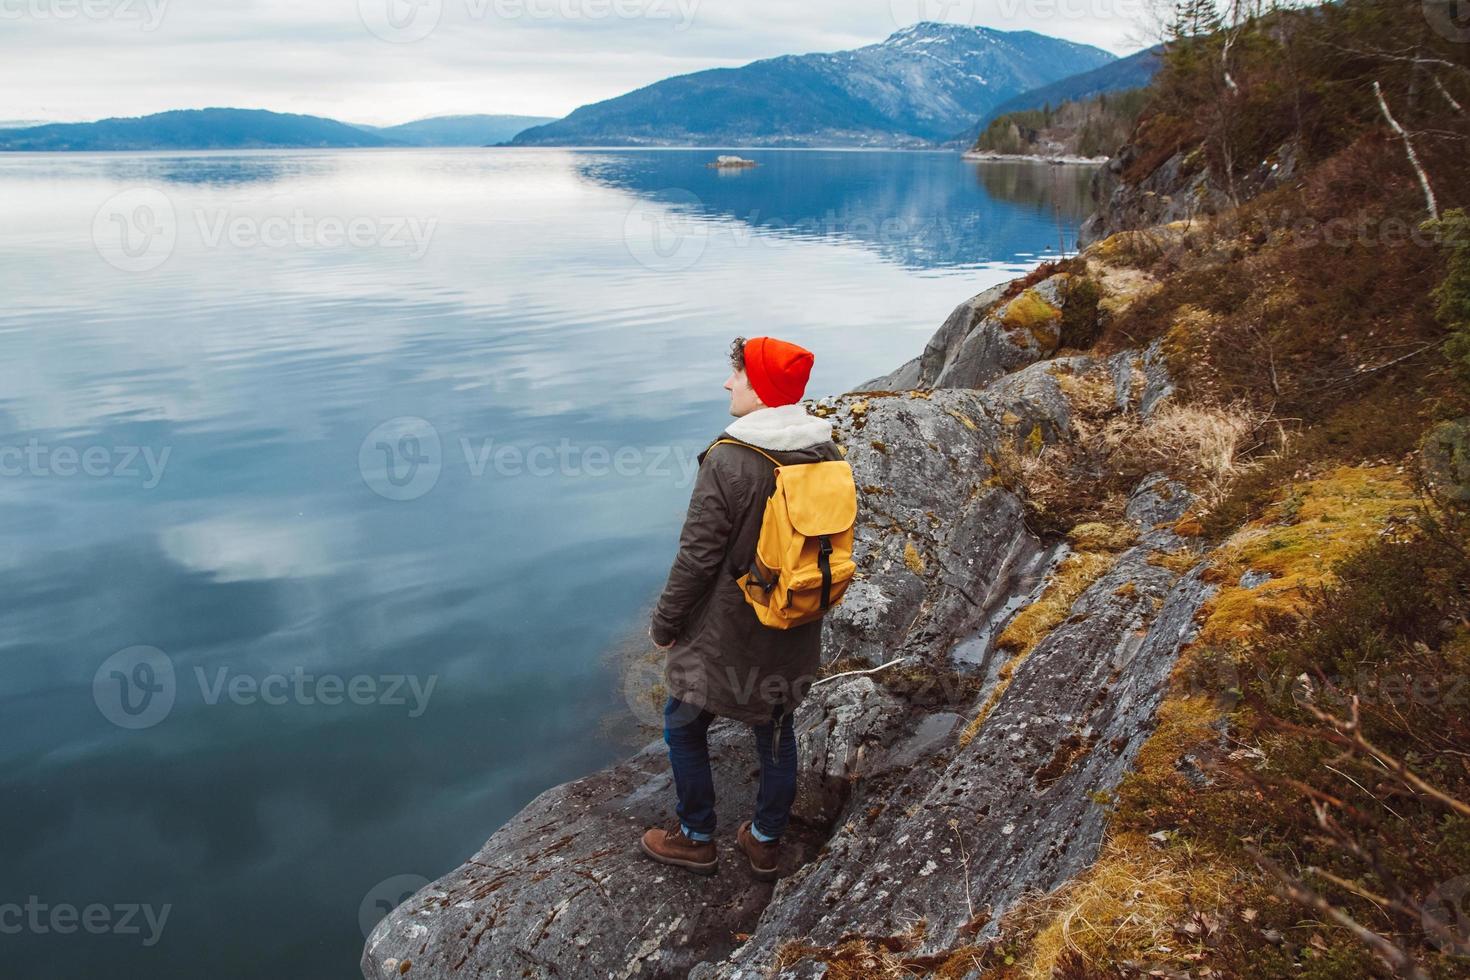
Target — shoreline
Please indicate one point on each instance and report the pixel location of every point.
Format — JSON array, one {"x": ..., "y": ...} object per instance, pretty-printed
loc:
[{"x": 1057, "y": 159}]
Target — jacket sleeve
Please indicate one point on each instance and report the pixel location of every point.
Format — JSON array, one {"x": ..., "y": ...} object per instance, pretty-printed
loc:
[{"x": 703, "y": 544}]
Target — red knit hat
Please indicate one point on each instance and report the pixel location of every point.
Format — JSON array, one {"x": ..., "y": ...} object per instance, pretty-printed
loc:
[{"x": 778, "y": 371}]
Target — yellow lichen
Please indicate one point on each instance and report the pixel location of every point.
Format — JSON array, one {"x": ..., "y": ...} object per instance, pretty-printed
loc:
[
  {"x": 1179, "y": 561},
  {"x": 1072, "y": 577},
  {"x": 1128, "y": 904},
  {"x": 913, "y": 559},
  {"x": 1302, "y": 536},
  {"x": 1069, "y": 580},
  {"x": 1028, "y": 313},
  {"x": 964, "y": 419},
  {"x": 1099, "y": 536},
  {"x": 1035, "y": 441}
]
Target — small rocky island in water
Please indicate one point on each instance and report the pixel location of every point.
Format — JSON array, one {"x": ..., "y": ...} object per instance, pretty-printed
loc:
[{"x": 733, "y": 163}]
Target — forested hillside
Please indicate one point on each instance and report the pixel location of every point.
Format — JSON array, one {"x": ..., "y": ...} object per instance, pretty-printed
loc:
[{"x": 1093, "y": 127}]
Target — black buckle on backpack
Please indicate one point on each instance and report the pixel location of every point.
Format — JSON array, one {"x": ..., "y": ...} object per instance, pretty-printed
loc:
[{"x": 755, "y": 573}]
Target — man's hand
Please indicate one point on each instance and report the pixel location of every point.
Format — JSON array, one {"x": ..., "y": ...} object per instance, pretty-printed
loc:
[{"x": 670, "y": 645}]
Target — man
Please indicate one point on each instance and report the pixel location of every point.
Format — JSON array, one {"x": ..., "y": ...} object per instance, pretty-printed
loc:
[{"x": 722, "y": 661}]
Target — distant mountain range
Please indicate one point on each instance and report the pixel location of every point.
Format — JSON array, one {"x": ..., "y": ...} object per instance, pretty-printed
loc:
[
  {"x": 925, "y": 83},
  {"x": 1134, "y": 71},
  {"x": 459, "y": 130},
  {"x": 243, "y": 129}
]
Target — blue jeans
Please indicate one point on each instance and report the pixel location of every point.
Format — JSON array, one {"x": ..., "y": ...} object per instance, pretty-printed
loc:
[{"x": 686, "y": 730}]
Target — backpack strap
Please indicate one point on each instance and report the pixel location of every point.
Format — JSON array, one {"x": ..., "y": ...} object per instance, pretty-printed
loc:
[
  {"x": 824, "y": 562},
  {"x": 754, "y": 571},
  {"x": 732, "y": 442}
]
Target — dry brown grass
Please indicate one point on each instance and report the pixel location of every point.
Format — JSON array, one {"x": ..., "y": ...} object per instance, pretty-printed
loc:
[
  {"x": 1204, "y": 441},
  {"x": 1088, "y": 475},
  {"x": 1130, "y": 905},
  {"x": 880, "y": 957}
]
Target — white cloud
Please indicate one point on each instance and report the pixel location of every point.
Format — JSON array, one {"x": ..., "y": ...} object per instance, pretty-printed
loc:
[{"x": 85, "y": 59}]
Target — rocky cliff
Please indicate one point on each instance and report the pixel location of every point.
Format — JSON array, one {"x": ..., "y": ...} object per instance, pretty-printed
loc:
[
  {"x": 1141, "y": 549},
  {"x": 936, "y": 791}
]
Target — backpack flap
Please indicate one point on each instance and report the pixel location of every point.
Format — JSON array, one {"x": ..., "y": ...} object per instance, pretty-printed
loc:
[{"x": 821, "y": 498}]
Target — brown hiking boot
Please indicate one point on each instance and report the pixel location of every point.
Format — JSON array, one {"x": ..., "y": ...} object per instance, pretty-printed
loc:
[
  {"x": 672, "y": 847},
  {"x": 764, "y": 855}
]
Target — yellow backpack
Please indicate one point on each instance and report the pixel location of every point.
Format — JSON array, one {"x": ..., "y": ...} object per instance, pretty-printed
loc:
[{"x": 803, "y": 557}]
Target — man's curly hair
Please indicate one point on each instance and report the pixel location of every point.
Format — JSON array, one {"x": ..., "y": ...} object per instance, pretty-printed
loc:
[{"x": 737, "y": 353}]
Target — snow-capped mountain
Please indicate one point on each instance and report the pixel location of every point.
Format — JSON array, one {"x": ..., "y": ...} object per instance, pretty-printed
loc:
[{"x": 924, "y": 83}]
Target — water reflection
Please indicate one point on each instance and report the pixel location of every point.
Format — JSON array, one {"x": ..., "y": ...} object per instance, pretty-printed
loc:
[
  {"x": 916, "y": 209},
  {"x": 224, "y": 169},
  {"x": 528, "y": 322}
]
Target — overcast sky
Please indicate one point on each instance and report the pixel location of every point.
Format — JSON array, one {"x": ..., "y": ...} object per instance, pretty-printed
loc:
[{"x": 390, "y": 61}]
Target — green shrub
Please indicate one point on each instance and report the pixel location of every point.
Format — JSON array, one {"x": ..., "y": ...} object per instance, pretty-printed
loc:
[{"x": 1452, "y": 297}]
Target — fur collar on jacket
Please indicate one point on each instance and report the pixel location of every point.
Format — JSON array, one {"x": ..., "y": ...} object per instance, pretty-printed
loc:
[{"x": 783, "y": 427}]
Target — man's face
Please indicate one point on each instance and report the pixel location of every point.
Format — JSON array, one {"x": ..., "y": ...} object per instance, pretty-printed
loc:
[{"x": 743, "y": 399}]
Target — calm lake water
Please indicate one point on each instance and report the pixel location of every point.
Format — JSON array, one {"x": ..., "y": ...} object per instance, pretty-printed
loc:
[{"x": 331, "y": 479}]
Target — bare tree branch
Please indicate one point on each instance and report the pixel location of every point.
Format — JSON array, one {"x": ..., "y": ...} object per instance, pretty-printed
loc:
[
  {"x": 1409, "y": 149},
  {"x": 1355, "y": 739},
  {"x": 1296, "y": 890},
  {"x": 1412, "y": 58},
  {"x": 1447, "y": 96}
]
